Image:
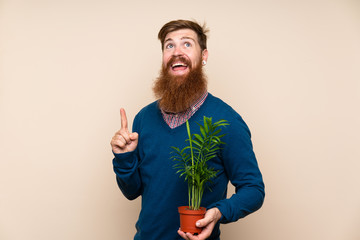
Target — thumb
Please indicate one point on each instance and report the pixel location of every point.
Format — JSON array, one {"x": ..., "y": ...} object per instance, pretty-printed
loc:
[
  {"x": 204, "y": 222},
  {"x": 134, "y": 136}
]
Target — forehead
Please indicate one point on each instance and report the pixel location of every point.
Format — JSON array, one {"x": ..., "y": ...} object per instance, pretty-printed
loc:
[{"x": 181, "y": 34}]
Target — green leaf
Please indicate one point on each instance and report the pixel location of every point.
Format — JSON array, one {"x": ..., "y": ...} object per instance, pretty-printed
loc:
[
  {"x": 191, "y": 161},
  {"x": 198, "y": 137}
]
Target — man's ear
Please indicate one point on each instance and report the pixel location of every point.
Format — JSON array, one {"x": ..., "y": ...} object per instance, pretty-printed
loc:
[{"x": 205, "y": 55}]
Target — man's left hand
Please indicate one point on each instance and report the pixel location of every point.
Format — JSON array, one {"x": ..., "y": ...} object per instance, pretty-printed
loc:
[{"x": 207, "y": 223}]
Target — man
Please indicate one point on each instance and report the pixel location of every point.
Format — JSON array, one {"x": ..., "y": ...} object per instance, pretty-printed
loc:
[{"x": 142, "y": 157}]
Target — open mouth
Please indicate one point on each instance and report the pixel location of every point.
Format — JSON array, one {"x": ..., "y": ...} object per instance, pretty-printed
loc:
[{"x": 179, "y": 66}]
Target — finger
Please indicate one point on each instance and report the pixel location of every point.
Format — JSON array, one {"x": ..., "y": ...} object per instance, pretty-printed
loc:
[
  {"x": 203, "y": 222},
  {"x": 124, "y": 124},
  {"x": 118, "y": 141},
  {"x": 182, "y": 234},
  {"x": 210, "y": 216},
  {"x": 206, "y": 232},
  {"x": 134, "y": 136},
  {"x": 125, "y": 135},
  {"x": 191, "y": 237},
  {"x": 122, "y": 139}
]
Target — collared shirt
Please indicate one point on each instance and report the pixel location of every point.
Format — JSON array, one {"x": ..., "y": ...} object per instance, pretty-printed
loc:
[{"x": 176, "y": 119}]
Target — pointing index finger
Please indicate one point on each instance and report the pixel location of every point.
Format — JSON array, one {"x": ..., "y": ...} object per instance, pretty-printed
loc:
[{"x": 123, "y": 119}]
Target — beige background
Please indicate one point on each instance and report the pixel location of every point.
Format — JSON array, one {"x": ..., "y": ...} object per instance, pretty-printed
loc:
[{"x": 290, "y": 68}]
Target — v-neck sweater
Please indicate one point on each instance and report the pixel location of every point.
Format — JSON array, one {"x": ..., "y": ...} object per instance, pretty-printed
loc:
[{"x": 148, "y": 171}]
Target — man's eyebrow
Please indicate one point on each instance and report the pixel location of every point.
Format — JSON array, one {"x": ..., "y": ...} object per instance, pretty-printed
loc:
[
  {"x": 170, "y": 39},
  {"x": 188, "y": 38}
]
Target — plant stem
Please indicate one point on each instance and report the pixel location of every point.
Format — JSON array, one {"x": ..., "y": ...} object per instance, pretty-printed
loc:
[{"x": 192, "y": 163}]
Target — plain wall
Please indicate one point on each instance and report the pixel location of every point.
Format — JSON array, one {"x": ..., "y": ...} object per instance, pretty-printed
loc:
[{"x": 290, "y": 68}]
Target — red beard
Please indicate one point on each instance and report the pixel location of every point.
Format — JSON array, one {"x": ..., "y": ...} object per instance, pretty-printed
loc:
[{"x": 177, "y": 93}]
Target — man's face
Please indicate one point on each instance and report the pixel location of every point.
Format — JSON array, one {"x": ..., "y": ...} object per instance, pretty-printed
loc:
[{"x": 182, "y": 52}]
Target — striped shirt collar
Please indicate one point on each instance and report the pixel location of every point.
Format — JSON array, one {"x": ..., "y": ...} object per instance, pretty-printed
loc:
[{"x": 177, "y": 119}]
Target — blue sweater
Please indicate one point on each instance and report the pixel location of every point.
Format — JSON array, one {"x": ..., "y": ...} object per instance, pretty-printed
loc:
[{"x": 148, "y": 171}]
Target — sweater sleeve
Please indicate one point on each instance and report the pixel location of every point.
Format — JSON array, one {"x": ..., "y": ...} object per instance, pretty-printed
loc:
[
  {"x": 243, "y": 172},
  {"x": 127, "y": 174},
  {"x": 126, "y": 168}
]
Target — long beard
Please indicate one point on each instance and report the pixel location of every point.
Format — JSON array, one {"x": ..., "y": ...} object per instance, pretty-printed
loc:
[{"x": 177, "y": 93}]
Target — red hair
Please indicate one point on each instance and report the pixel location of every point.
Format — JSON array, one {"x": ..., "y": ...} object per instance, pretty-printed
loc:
[{"x": 172, "y": 26}]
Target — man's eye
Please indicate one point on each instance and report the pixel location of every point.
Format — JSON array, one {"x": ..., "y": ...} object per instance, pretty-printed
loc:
[
  {"x": 187, "y": 44},
  {"x": 169, "y": 46}
]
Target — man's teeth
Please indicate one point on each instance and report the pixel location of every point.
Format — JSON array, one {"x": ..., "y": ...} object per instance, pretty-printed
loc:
[{"x": 179, "y": 65}]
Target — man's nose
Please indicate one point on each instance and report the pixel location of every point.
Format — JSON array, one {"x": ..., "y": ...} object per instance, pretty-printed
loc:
[{"x": 177, "y": 51}]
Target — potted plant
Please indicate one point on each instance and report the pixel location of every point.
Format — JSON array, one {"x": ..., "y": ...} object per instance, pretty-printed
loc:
[{"x": 191, "y": 162}]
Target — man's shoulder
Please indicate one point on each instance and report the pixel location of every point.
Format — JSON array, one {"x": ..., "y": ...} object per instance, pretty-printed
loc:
[
  {"x": 151, "y": 107},
  {"x": 219, "y": 103},
  {"x": 223, "y": 110},
  {"x": 147, "y": 111}
]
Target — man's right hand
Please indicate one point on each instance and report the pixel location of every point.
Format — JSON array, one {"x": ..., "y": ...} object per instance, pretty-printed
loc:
[{"x": 124, "y": 141}]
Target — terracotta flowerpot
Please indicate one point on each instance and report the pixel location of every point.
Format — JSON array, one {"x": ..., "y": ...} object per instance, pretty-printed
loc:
[{"x": 189, "y": 217}]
